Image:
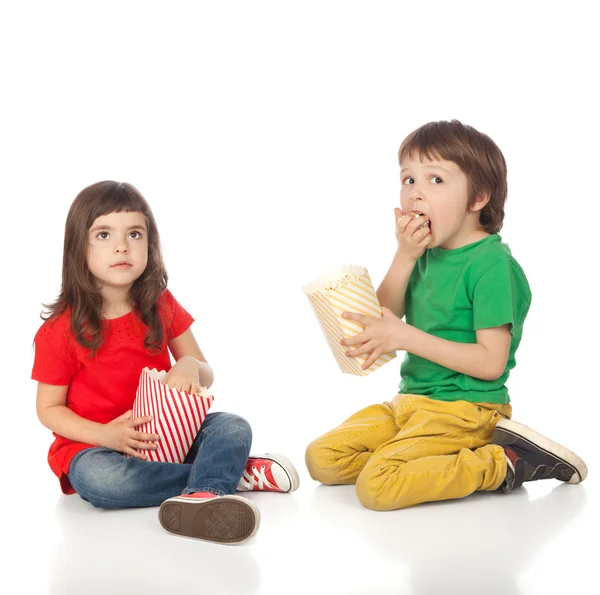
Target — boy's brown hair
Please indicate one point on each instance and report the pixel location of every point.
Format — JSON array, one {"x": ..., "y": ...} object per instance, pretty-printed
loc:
[{"x": 475, "y": 153}]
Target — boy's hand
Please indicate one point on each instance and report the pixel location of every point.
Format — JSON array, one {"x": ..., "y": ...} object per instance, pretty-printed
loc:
[
  {"x": 120, "y": 434},
  {"x": 381, "y": 335},
  {"x": 412, "y": 235},
  {"x": 184, "y": 375}
]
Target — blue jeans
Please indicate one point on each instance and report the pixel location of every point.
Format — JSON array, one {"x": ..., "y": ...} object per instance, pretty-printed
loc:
[{"x": 215, "y": 463}]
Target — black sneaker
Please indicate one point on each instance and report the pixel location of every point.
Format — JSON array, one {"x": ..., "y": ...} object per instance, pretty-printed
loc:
[{"x": 531, "y": 456}]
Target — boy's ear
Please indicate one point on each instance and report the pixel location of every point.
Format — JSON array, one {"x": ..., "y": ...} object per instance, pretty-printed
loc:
[{"x": 480, "y": 202}]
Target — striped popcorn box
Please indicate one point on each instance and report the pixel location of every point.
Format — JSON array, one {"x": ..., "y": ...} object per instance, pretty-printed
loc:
[
  {"x": 176, "y": 415},
  {"x": 346, "y": 289}
]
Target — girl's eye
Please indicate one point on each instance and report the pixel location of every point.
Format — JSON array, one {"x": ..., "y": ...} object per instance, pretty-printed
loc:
[
  {"x": 138, "y": 235},
  {"x": 103, "y": 235},
  {"x": 408, "y": 181},
  {"x": 436, "y": 180}
]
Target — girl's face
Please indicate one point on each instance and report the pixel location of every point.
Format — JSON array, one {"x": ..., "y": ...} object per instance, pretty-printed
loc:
[
  {"x": 118, "y": 249},
  {"x": 439, "y": 189}
]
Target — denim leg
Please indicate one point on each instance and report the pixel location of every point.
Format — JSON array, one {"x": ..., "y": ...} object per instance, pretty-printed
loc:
[
  {"x": 108, "y": 479},
  {"x": 216, "y": 461},
  {"x": 219, "y": 454}
]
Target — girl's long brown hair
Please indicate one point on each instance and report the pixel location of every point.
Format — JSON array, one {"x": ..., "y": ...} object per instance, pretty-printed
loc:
[{"x": 79, "y": 291}]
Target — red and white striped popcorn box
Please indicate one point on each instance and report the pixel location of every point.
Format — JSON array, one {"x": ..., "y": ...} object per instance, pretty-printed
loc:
[
  {"x": 176, "y": 415},
  {"x": 346, "y": 289}
]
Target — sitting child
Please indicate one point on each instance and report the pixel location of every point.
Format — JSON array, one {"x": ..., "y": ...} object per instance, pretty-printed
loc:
[
  {"x": 448, "y": 432},
  {"x": 113, "y": 317}
]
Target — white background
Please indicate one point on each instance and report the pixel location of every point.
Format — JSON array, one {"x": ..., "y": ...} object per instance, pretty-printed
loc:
[{"x": 264, "y": 136}]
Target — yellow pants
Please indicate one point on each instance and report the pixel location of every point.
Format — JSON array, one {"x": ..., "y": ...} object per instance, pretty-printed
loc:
[{"x": 412, "y": 450}]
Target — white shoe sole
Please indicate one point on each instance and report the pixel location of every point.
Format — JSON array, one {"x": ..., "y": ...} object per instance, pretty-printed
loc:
[
  {"x": 225, "y": 519},
  {"x": 288, "y": 467},
  {"x": 516, "y": 429}
]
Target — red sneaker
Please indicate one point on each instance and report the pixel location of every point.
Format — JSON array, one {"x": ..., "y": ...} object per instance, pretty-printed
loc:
[
  {"x": 203, "y": 515},
  {"x": 269, "y": 473}
]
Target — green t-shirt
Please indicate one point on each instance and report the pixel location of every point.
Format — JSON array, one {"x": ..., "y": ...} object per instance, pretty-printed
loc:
[{"x": 453, "y": 293}]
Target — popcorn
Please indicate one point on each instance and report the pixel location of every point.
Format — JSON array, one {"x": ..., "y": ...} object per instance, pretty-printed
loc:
[
  {"x": 345, "y": 289},
  {"x": 176, "y": 415},
  {"x": 335, "y": 284},
  {"x": 417, "y": 215}
]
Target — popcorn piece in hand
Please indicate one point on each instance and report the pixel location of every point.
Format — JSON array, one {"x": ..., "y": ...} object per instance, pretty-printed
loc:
[{"x": 417, "y": 215}]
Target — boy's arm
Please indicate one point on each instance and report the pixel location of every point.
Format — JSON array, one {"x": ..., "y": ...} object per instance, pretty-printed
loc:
[
  {"x": 392, "y": 290},
  {"x": 485, "y": 359}
]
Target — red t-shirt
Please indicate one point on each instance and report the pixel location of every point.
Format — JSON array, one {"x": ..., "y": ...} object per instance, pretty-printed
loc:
[{"x": 104, "y": 387}]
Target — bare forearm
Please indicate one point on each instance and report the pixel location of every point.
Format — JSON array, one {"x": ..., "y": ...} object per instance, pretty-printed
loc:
[
  {"x": 207, "y": 376},
  {"x": 472, "y": 359},
  {"x": 64, "y": 422},
  {"x": 392, "y": 290},
  {"x": 205, "y": 372}
]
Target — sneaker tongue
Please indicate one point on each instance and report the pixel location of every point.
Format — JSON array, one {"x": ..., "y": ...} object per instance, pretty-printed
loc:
[{"x": 258, "y": 462}]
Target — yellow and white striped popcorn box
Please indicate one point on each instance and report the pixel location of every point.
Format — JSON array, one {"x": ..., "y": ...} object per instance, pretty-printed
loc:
[{"x": 345, "y": 289}]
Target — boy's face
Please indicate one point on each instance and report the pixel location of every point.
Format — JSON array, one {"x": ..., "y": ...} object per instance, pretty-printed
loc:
[
  {"x": 114, "y": 239},
  {"x": 439, "y": 189}
]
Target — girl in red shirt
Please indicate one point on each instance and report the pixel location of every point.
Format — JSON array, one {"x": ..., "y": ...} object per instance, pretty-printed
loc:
[{"x": 113, "y": 317}]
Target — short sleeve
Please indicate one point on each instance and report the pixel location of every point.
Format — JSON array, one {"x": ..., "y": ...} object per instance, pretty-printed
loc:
[
  {"x": 501, "y": 296},
  {"x": 54, "y": 362},
  {"x": 177, "y": 319}
]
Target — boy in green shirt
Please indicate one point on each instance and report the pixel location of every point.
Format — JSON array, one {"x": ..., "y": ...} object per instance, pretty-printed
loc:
[{"x": 448, "y": 432}]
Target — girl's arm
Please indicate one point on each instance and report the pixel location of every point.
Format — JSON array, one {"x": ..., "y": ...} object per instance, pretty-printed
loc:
[
  {"x": 119, "y": 434},
  {"x": 56, "y": 416},
  {"x": 186, "y": 351}
]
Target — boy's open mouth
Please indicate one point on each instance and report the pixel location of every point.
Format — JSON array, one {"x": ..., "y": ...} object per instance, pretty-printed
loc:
[{"x": 419, "y": 214}]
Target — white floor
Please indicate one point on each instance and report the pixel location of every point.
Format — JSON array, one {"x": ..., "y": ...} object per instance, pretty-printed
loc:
[
  {"x": 264, "y": 136},
  {"x": 319, "y": 539}
]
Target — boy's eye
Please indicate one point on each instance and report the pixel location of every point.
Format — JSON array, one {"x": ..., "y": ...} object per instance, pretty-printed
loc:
[
  {"x": 408, "y": 181},
  {"x": 436, "y": 180}
]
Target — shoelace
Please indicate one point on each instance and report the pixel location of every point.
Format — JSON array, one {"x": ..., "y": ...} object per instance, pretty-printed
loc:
[{"x": 259, "y": 479}]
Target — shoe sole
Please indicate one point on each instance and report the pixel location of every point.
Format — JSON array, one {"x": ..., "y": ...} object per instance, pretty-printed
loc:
[
  {"x": 289, "y": 469},
  {"x": 226, "y": 519},
  {"x": 507, "y": 430}
]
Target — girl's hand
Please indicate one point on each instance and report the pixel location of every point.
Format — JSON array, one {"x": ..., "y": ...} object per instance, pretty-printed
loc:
[
  {"x": 184, "y": 375},
  {"x": 120, "y": 434},
  {"x": 412, "y": 234},
  {"x": 381, "y": 335}
]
